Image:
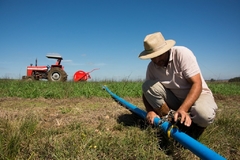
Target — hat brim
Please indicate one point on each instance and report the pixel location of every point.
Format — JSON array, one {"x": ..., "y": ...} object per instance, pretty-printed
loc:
[{"x": 147, "y": 55}]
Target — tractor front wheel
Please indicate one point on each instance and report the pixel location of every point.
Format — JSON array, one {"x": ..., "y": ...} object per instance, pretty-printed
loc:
[
  {"x": 57, "y": 74},
  {"x": 27, "y": 78}
]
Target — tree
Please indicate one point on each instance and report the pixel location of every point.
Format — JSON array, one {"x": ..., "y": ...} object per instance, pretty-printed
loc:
[{"x": 235, "y": 79}]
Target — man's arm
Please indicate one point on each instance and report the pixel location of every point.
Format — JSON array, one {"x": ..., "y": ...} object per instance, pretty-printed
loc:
[
  {"x": 146, "y": 104},
  {"x": 151, "y": 114},
  {"x": 192, "y": 96}
]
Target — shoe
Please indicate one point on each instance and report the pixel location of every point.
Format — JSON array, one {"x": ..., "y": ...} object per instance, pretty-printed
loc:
[
  {"x": 193, "y": 130},
  {"x": 164, "y": 143}
]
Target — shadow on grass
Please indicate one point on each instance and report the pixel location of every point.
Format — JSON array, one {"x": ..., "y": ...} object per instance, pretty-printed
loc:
[
  {"x": 168, "y": 146},
  {"x": 132, "y": 120}
]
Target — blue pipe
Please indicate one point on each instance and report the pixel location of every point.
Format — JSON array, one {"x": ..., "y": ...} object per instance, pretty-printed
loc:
[{"x": 188, "y": 142}]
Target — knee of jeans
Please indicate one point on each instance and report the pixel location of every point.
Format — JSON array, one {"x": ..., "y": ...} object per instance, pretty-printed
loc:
[
  {"x": 202, "y": 116},
  {"x": 148, "y": 84}
]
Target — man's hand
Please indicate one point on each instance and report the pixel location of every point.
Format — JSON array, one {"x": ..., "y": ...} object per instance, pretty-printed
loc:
[
  {"x": 184, "y": 117},
  {"x": 191, "y": 98},
  {"x": 150, "y": 117}
]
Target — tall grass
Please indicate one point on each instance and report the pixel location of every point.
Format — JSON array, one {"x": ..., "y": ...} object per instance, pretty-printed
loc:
[
  {"x": 34, "y": 89},
  {"x": 225, "y": 88}
]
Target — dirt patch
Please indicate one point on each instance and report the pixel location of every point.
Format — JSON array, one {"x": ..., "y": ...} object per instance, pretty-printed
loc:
[
  {"x": 60, "y": 112},
  {"x": 88, "y": 111}
]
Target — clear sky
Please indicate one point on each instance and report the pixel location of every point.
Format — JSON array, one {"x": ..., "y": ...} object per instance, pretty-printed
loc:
[{"x": 108, "y": 34}]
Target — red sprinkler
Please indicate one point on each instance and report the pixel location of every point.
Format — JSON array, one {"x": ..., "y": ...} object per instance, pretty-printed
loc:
[{"x": 82, "y": 76}]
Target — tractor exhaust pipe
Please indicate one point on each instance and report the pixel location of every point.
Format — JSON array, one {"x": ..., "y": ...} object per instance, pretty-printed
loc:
[{"x": 188, "y": 142}]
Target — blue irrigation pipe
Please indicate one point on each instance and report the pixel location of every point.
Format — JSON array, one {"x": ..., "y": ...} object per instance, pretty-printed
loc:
[{"x": 188, "y": 142}]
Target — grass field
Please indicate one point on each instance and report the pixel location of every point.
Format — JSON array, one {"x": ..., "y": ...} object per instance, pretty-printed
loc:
[{"x": 43, "y": 120}]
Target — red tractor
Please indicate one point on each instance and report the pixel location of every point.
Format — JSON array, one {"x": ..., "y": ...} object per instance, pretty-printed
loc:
[{"x": 54, "y": 72}]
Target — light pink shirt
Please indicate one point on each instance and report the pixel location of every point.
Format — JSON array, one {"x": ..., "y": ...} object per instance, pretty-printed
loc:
[{"x": 181, "y": 66}]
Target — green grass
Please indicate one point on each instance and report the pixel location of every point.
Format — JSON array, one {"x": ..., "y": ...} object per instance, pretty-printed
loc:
[
  {"x": 28, "y": 127},
  {"x": 35, "y": 89},
  {"x": 225, "y": 88}
]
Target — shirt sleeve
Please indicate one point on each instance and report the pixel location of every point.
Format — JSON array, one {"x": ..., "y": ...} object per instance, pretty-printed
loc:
[
  {"x": 149, "y": 72},
  {"x": 188, "y": 62}
]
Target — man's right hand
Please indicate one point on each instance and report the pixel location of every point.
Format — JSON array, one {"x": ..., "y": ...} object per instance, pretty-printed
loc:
[{"x": 150, "y": 117}]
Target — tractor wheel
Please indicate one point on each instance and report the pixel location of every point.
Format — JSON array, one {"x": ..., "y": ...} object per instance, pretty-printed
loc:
[
  {"x": 30, "y": 78},
  {"x": 27, "y": 78},
  {"x": 57, "y": 75}
]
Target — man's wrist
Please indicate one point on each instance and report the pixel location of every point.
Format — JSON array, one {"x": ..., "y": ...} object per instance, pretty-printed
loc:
[
  {"x": 183, "y": 108},
  {"x": 151, "y": 111}
]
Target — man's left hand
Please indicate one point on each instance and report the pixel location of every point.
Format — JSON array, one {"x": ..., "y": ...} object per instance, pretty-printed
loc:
[{"x": 184, "y": 117}]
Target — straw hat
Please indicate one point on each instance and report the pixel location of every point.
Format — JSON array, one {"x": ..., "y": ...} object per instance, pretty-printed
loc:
[{"x": 155, "y": 45}]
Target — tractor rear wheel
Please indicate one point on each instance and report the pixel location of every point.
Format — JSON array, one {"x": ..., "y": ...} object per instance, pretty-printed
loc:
[{"x": 57, "y": 74}]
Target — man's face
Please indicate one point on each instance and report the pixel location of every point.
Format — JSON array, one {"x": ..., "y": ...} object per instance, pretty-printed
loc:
[{"x": 161, "y": 60}]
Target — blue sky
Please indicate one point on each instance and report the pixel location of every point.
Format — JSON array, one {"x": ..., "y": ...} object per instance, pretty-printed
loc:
[{"x": 108, "y": 34}]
